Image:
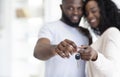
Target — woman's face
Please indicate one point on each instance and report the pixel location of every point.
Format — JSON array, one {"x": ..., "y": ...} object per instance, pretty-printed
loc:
[{"x": 93, "y": 13}]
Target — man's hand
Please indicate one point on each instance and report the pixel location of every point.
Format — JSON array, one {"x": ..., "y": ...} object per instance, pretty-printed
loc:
[{"x": 65, "y": 48}]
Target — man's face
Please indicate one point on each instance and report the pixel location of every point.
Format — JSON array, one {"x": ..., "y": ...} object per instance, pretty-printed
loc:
[{"x": 72, "y": 11}]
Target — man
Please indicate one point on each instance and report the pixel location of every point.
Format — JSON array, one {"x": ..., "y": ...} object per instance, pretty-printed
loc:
[{"x": 56, "y": 34}]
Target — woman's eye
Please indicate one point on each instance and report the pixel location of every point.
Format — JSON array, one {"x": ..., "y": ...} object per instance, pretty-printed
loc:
[{"x": 94, "y": 10}]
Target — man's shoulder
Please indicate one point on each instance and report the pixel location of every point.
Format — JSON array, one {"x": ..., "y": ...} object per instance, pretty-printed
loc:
[{"x": 54, "y": 23}]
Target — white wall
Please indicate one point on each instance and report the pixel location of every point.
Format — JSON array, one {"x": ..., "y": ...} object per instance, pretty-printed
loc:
[
  {"x": 117, "y": 2},
  {"x": 52, "y": 10},
  {"x": 17, "y": 39},
  {"x": 5, "y": 39}
]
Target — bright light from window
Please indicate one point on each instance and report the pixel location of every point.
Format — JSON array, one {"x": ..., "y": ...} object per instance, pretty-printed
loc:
[{"x": 35, "y": 3}]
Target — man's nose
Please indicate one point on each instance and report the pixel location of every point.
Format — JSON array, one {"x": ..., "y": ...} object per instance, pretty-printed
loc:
[{"x": 75, "y": 12}]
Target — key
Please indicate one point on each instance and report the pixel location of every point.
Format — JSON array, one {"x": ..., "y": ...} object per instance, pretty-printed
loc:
[{"x": 77, "y": 57}]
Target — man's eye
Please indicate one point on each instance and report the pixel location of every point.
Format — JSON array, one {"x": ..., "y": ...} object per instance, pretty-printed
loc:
[{"x": 70, "y": 8}]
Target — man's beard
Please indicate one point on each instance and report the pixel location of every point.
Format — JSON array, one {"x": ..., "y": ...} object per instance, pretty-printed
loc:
[{"x": 69, "y": 22}]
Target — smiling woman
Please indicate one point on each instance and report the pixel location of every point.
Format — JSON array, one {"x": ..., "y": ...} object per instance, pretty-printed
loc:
[
  {"x": 103, "y": 54},
  {"x": 93, "y": 14}
]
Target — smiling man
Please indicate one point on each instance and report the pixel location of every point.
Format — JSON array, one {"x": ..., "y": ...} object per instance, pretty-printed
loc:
[{"x": 56, "y": 34}]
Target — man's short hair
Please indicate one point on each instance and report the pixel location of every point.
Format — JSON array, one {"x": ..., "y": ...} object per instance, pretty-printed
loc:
[{"x": 82, "y": 0}]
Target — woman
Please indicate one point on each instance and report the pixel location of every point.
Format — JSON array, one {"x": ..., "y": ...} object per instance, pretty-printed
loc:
[{"x": 103, "y": 55}]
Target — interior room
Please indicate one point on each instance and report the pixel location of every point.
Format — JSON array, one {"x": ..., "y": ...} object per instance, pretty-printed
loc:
[{"x": 20, "y": 21}]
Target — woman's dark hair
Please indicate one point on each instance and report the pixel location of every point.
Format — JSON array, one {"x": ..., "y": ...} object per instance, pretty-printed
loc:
[
  {"x": 110, "y": 15},
  {"x": 86, "y": 33}
]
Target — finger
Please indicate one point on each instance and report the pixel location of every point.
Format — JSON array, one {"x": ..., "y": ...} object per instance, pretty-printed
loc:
[
  {"x": 86, "y": 54},
  {"x": 64, "y": 43},
  {"x": 84, "y": 46},
  {"x": 86, "y": 57},
  {"x": 60, "y": 53},
  {"x": 71, "y": 43},
  {"x": 81, "y": 51},
  {"x": 85, "y": 49},
  {"x": 70, "y": 49},
  {"x": 66, "y": 54},
  {"x": 60, "y": 47},
  {"x": 65, "y": 48}
]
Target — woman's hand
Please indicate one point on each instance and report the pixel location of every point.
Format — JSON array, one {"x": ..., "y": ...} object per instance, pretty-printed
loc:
[{"x": 88, "y": 53}]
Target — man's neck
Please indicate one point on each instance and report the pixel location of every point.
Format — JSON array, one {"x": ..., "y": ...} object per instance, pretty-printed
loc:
[{"x": 69, "y": 23}]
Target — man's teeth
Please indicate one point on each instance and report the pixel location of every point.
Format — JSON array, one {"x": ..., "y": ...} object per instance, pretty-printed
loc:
[{"x": 75, "y": 17}]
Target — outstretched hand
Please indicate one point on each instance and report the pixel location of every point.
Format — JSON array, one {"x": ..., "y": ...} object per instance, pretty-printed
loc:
[{"x": 66, "y": 48}]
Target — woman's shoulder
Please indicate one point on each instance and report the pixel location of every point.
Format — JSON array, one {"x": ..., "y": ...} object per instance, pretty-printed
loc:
[
  {"x": 112, "y": 32},
  {"x": 113, "y": 29}
]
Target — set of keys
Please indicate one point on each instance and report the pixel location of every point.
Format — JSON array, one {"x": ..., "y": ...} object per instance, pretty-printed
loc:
[{"x": 77, "y": 57}]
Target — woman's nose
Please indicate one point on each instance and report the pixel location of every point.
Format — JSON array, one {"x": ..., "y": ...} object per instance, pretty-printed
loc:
[{"x": 90, "y": 15}]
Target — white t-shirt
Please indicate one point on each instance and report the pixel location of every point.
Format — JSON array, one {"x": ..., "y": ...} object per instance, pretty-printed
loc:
[{"x": 63, "y": 67}]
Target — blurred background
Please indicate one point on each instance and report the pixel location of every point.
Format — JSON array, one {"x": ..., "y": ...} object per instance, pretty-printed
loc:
[{"x": 20, "y": 21}]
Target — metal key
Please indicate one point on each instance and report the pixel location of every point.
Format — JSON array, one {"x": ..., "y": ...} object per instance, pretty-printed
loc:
[{"x": 77, "y": 57}]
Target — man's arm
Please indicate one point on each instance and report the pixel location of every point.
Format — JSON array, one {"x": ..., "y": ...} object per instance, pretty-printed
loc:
[{"x": 43, "y": 49}]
